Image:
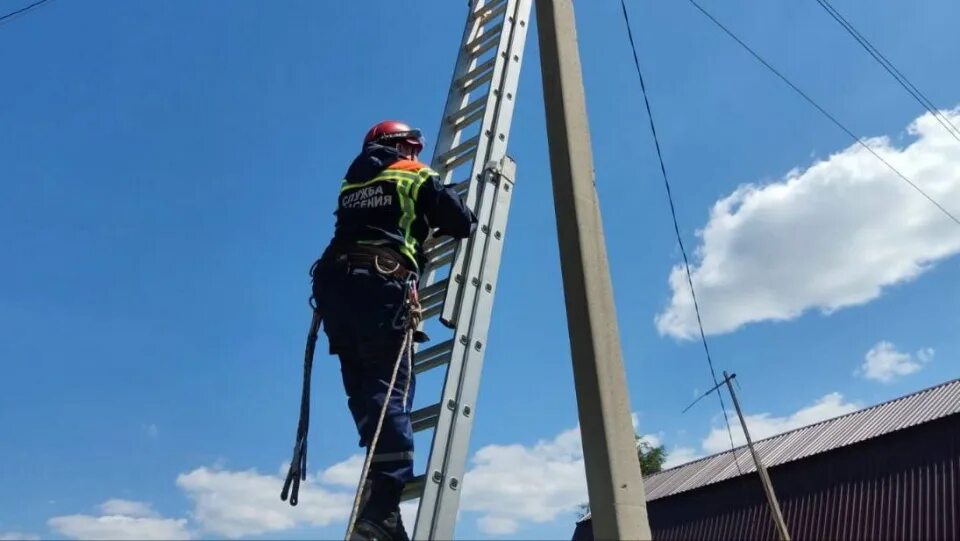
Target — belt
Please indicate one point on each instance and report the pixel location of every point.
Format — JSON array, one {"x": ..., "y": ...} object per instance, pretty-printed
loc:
[{"x": 381, "y": 263}]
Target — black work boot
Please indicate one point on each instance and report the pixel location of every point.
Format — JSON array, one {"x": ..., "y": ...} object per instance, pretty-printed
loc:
[
  {"x": 390, "y": 528},
  {"x": 367, "y": 530},
  {"x": 379, "y": 518},
  {"x": 394, "y": 524}
]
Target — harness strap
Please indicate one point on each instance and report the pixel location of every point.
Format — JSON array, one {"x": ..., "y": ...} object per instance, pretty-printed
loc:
[
  {"x": 298, "y": 464},
  {"x": 381, "y": 264}
]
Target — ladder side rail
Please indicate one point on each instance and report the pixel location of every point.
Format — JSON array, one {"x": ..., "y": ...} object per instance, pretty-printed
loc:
[
  {"x": 453, "y": 125},
  {"x": 449, "y": 133},
  {"x": 510, "y": 83},
  {"x": 435, "y": 477},
  {"x": 500, "y": 73},
  {"x": 492, "y": 140},
  {"x": 461, "y": 421},
  {"x": 448, "y": 136},
  {"x": 480, "y": 152}
]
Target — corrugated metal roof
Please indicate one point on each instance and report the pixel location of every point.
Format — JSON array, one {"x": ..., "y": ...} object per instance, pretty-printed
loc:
[{"x": 898, "y": 414}]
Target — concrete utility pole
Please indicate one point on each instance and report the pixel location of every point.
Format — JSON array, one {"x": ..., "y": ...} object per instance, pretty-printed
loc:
[
  {"x": 614, "y": 483},
  {"x": 761, "y": 469}
]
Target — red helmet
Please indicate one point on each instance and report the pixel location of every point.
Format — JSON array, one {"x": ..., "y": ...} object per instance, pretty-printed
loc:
[{"x": 392, "y": 132}]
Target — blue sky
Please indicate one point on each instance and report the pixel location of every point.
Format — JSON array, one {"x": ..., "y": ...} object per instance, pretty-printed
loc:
[{"x": 167, "y": 175}]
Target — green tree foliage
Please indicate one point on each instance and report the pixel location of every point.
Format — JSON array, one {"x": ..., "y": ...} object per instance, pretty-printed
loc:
[{"x": 651, "y": 458}]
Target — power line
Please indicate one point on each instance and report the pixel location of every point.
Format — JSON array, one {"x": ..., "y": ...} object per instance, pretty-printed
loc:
[
  {"x": 676, "y": 229},
  {"x": 823, "y": 111},
  {"x": 891, "y": 69},
  {"x": 22, "y": 10}
]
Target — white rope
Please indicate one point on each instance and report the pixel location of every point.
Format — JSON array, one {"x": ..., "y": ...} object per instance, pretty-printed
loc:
[
  {"x": 406, "y": 388},
  {"x": 405, "y": 347}
]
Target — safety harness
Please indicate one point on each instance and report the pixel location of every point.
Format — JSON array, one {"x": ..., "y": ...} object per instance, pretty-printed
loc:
[{"x": 409, "y": 317}]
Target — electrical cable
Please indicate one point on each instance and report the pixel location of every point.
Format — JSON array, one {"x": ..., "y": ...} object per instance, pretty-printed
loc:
[
  {"x": 676, "y": 229},
  {"x": 22, "y": 10},
  {"x": 921, "y": 98},
  {"x": 823, "y": 111}
]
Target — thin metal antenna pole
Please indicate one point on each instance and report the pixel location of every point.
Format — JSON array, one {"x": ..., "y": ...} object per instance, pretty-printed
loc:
[{"x": 761, "y": 469}]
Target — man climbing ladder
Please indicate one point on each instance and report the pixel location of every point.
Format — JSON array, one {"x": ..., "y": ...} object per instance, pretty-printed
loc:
[{"x": 365, "y": 289}]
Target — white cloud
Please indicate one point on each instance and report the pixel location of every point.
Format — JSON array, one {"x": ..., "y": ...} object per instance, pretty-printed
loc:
[
  {"x": 680, "y": 455},
  {"x": 884, "y": 363},
  {"x": 121, "y": 519},
  {"x": 243, "y": 503},
  {"x": 510, "y": 484},
  {"x": 764, "y": 425},
  {"x": 832, "y": 236},
  {"x": 230, "y": 504},
  {"x": 507, "y": 484},
  {"x": 653, "y": 440},
  {"x": 497, "y": 525},
  {"x": 127, "y": 508},
  {"x": 345, "y": 473},
  {"x": 18, "y": 536},
  {"x": 111, "y": 527}
]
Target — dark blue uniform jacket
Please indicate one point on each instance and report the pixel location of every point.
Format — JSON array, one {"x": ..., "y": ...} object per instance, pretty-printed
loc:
[{"x": 391, "y": 202}]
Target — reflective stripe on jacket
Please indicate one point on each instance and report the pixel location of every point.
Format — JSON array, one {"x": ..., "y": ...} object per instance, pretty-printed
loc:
[{"x": 392, "y": 202}]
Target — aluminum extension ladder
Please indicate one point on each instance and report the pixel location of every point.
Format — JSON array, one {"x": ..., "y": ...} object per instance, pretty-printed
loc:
[{"x": 471, "y": 154}]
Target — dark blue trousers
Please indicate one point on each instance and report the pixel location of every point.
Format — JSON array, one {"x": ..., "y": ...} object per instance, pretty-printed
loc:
[{"x": 363, "y": 320}]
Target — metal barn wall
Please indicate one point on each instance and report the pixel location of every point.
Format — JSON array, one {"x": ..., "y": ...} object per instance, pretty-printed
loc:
[{"x": 901, "y": 486}]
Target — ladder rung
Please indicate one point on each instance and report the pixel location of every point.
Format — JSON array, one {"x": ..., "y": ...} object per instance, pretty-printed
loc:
[
  {"x": 482, "y": 43},
  {"x": 430, "y": 311},
  {"x": 441, "y": 248},
  {"x": 485, "y": 13},
  {"x": 486, "y": 47},
  {"x": 465, "y": 120},
  {"x": 440, "y": 260},
  {"x": 479, "y": 81},
  {"x": 429, "y": 294},
  {"x": 425, "y": 418},
  {"x": 413, "y": 489},
  {"x": 456, "y": 153},
  {"x": 434, "y": 302},
  {"x": 458, "y": 161},
  {"x": 462, "y": 187},
  {"x": 432, "y": 357},
  {"x": 477, "y": 71},
  {"x": 474, "y": 108}
]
